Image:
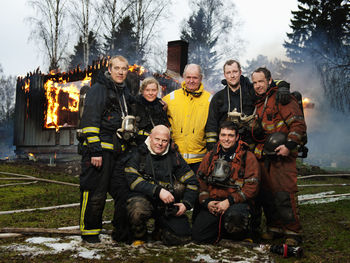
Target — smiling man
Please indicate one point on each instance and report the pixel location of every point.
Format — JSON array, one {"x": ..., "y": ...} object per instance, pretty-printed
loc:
[
  {"x": 238, "y": 94},
  {"x": 108, "y": 101},
  {"x": 162, "y": 186},
  {"x": 187, "y": 112},
  {"x": 229, "y": 177},
  {"x": 285, "y": 127}
]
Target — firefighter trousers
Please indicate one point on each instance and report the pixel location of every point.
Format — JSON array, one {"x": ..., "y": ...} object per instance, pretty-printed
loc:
[{"x": 233, "y": 224}]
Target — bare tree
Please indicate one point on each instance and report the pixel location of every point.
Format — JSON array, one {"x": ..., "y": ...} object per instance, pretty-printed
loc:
[
  {"x": 85, "y": 19},
  {"x": 146, "y": 15},
  {"x": 48, "y": 28},
  {"x": 111, "y": 13},
  {"x": 7, "y": 95}
]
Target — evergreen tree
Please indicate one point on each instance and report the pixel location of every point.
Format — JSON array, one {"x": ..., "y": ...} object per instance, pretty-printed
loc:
[
  {"x": 123, "y": 41},
  {"x": 77, "y": 58},
  {"x": 320, "y": 38},
  {"x": 201, "y": 51},
  {"x": 207, "y": 31},
  {"x": 278, "y": 67}
]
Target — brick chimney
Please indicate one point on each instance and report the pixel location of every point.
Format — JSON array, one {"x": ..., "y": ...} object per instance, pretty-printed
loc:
[{"x": 177, "y": 57}]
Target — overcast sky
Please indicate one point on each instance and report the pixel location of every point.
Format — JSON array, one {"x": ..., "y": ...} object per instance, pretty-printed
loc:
[{"x": 264, "y": 28}]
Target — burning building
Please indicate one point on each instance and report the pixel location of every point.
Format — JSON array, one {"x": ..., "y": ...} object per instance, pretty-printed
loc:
[{"x": 48, "y": 106}]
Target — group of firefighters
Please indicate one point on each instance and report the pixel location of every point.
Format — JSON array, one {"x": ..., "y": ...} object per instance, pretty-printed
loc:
[{"x": 226, "y": 157}]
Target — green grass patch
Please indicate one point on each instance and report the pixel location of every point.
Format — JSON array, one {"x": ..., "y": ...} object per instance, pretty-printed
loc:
[{"x": 326, "y": 227}]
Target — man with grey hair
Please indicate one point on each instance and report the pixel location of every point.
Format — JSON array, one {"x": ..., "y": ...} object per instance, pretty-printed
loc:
[
  {"x": 162, "y": 186},
  {"x": 187, "y": 112}
]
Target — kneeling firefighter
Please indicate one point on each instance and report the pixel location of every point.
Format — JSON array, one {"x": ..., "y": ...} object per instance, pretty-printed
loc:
[
  {"x": 102, "y": 145},
  {"x": 229, "y": 178},
  {"x": 162, "y": 186}
]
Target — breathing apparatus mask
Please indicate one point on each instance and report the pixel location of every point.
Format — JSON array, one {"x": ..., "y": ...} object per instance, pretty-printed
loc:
[
  {"x": 221, "y": 173},
  {"x": 128, "y": 129}
]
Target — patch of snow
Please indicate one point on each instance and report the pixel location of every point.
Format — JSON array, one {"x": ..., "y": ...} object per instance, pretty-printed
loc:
[{"x": 41, "y": 240}]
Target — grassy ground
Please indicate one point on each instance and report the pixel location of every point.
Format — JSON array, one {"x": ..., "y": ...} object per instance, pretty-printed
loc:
[{"x": 326, "y": 226}]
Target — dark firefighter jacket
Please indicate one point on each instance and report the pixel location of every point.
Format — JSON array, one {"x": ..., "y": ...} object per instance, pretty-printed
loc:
[
  {"x": 102, "y": 114},
  {"x": 148, "y": 174},
  {"x": 280, "y": 118},
  {"x": 244, "y": 179},
  {"x": 150, "y": 114},
  {"x": 219, "y": 107}
]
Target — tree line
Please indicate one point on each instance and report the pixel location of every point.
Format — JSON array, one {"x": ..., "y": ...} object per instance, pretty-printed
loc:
[
  {"x": 130, "y": 28},
  {"x": 319, "y": 39}
]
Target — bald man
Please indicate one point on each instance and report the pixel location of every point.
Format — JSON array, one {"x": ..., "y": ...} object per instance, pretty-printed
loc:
[{"x": 162, "y": 186}]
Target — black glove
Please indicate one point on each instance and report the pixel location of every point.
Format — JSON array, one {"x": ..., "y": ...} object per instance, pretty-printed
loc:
[{"x": 283, "y": 95}]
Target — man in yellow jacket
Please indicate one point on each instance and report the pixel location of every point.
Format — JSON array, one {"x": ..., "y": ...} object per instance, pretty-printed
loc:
[{"x": 188, "y": 112}]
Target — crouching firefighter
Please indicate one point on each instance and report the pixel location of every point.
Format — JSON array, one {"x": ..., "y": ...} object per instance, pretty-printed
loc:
[
  {"x": 285, "y": 128},
  {"x": 229, "y": 178},
  {"x": 162, "y": 187},
  {"x": 106, "y": 109}
]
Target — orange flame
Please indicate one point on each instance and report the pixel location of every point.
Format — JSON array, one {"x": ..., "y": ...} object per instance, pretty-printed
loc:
[
  {"x": 139, "y": 69},
  {"x": 307, "y": 104},
  {"x": 26, "y": 85},
  {"x": 52, "y": 91}
]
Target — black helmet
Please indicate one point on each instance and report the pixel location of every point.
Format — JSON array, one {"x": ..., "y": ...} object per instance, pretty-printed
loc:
[{"x": 273, "y": 141}]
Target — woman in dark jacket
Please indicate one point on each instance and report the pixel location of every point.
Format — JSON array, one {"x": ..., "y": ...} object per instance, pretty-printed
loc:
[{"x": 149, "y": 109}]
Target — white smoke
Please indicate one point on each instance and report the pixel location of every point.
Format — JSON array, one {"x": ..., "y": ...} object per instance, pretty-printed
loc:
[{"x": 328, "y": 130}]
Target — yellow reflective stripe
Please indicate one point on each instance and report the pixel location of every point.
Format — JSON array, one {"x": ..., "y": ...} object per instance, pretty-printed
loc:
[
  {"x": 186, "y": 176},
  {"x": 123, "y": 147},
  {"x": 270, "y": 127},
  {"x": 257, "y": 152},
  {"x": 82, "y": 216},
  {"x": 142, "y": 132},
  {"x": 106, "y": 145},
  {"x": 93, "y": 139},
  {"x": 211, "y": 134},
  {"x": 192, "y": 187},
  {"x": 83, "y": 209},
  {"x": 91, "y": 232},
  {"x": 211, "y": 140},
  {"x": 84, "y": 143},
  {"x": 91, "y": 129},
  {"x": 279, "y": 124},
  {"x": 136, "y": 182},
  {"x": 131, "y": 170}
]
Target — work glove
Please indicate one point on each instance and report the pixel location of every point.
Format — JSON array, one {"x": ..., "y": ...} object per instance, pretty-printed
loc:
[{"x": 283, "y": 95}]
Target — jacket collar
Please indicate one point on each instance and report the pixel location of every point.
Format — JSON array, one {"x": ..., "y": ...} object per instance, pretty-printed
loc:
[
  {"x": 148, "y": 144},
  {"x": 196, "y": 93}
]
